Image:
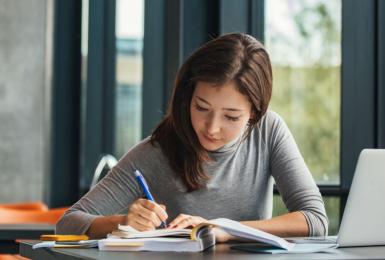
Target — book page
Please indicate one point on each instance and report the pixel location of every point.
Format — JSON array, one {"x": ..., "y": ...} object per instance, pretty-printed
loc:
[
  {"x": 232, "y": 227},
  {"x": 237, "y": 229},
  {"x": 125, "y": 231}
]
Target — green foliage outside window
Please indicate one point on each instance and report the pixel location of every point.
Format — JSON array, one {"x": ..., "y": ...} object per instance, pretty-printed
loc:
[{"x": 303, "y": 38}]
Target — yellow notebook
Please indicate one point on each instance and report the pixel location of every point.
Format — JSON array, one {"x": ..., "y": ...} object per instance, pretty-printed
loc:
[{"x": 63, "y": 237}]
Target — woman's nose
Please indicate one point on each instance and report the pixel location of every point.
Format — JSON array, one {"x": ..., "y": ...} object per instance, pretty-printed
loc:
[{"x": 213, "y": 126}]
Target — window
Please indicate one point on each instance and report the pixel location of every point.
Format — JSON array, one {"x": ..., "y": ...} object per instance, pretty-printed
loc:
[
  {"x": 304, "y": 42},
  {"x": 304, "y": 29},
  {"x": 84, "y": 49},
  {"x": 332, "y": 205},
  {"x": 129, "y": 45}
]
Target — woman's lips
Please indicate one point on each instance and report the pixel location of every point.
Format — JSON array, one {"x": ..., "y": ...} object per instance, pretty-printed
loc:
[{"x": 213, "y": 140}]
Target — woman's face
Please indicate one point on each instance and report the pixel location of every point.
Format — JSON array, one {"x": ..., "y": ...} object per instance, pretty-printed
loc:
[{"x": 219, "y": 114}]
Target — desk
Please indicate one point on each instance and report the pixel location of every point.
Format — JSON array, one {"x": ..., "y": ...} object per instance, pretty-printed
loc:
[
  {"x": 10, "y": 232},
  {"x": 219, "y": 251}
]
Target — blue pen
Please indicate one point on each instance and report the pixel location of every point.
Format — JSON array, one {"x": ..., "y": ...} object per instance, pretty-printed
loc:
[{"x": 143, "y": 184}]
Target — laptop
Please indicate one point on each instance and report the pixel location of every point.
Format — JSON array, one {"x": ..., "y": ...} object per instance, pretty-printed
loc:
[{"x": 363, "y": 221}]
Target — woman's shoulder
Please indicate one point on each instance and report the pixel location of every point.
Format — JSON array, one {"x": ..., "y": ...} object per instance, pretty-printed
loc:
[
  {"x": 145, "y": 147},
  {"x": 270, "y": 123},
  {"x": 145, "y": 151},
  {"x": 271, "y": 119},
  {"x": 270, "y": 128}
]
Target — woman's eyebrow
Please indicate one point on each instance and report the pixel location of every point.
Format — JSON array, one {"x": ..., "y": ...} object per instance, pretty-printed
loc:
[
  {"x": 232, "y": 109},
  {"x": 203, "y": 100},
  {"x": 225, "y": 108}
]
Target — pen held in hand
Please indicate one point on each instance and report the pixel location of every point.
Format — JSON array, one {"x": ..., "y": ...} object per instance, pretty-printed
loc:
[{"x": 143, "y": 184}]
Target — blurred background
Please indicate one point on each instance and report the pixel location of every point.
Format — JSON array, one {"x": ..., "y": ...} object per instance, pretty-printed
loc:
[{"x": 79, "y": 79}]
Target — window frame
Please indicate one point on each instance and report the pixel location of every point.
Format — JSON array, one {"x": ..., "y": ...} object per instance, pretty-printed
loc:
[
  {"x": 98, "y": 101},
  {"x": 167, "y": 42},
  {"x": 61, "y": 183},
  {"x": 367, "y": 33}
]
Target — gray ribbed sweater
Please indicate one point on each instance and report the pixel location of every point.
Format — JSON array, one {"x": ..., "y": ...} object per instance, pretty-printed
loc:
[{"x": 241, "y": 185}]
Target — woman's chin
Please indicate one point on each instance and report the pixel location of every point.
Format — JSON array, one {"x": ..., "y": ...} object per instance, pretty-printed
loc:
[{"x": 212, "y": 147}]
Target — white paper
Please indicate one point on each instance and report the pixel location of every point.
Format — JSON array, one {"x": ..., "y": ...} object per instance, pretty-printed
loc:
[{"x": 237, "y": 229}]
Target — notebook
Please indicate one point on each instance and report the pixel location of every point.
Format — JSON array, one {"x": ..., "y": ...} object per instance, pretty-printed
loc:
[{"x": 185, "y": 240}]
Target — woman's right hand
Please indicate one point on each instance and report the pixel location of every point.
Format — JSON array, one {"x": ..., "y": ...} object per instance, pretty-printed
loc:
[{"x": 146, "y": 215}]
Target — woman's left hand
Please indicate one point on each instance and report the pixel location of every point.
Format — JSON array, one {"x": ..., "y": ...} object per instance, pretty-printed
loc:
[{"x": 184, "y": 221}]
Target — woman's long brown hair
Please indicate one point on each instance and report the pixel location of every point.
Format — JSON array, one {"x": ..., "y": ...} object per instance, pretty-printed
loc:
[{"x": 235, "y": 56}]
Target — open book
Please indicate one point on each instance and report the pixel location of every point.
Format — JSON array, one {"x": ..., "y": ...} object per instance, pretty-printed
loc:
[{"x": 192, "y": 240}]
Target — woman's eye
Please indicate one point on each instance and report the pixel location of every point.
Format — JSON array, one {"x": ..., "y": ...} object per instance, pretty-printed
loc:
[
  {"x": 231, "y": 118},
  {"x": 199, "y": 108}
]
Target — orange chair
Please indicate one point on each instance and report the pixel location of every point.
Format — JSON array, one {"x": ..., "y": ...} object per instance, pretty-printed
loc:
[
  {"x": 25, "y": 213},
  {"x": 38, "y": 212},
  {"x": 35, "y": 205},
  {"x": 16, "y": 216},
  {"x": 12, "y": 257}
]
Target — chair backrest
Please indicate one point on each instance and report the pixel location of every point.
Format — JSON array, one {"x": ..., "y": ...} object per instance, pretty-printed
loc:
[
  {"x": 107, "y": 161},
  {"x": 17, "y": 216},
  {"x": 32, "y": 205},
  {"x": 38, "y": 212}
]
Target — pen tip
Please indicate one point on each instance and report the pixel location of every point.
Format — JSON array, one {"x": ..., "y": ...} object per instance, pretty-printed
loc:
[{"x": 137, "y": 173}]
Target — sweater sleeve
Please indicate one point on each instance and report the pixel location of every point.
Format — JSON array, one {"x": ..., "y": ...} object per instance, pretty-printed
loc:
[
  {"x": 113, "y": 194},
  {"x": 293, "y": 179}
]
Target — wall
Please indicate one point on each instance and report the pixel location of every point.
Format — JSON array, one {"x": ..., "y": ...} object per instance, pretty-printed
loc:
[{"x": 24, "y": 98}]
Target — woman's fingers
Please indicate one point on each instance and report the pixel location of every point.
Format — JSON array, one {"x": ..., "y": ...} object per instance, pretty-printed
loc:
[
  {"x": 152, "y": 206},
  {"x": 149, "y": 215},
  {"x": 146, "y": 215},
  {"x": 183, "y": 221},
  {"x": 139, "y": 223},
  {"x": 180, "y": 221}
]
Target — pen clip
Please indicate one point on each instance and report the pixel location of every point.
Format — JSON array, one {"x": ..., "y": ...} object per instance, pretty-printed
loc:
[
  {"x": 144, "y": 181},
  {"x": 140, "y": 176}
]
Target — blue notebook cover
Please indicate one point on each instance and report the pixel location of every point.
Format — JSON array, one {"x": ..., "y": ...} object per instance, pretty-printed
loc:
[{"x": 297, "y": 249}]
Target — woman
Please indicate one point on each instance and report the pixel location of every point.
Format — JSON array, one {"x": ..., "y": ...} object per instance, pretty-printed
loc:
[{"x": 215, "y": 154}]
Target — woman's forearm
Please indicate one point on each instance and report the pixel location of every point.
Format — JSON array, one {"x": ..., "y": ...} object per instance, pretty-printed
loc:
[
  {"x": 101, "y": 226},
  {"x": 287, "y": 225}
]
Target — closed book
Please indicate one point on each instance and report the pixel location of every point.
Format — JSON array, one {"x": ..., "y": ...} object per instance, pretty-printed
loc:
[{"x": 186, "y": 240}]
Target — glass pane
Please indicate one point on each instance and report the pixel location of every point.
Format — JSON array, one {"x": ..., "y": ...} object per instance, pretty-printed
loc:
[
  {"x": 129, "y": 45},
  {"x": 304, "y": 42},
  {"x": 332, "y": 206},
  {"x": 84, "y": 54}
]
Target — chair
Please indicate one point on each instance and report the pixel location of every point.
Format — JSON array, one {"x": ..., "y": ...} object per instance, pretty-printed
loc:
[
  {"x": 24, "y": 213},
  {"x": 12, "y": 257},
  {"x": 35, "y": 205},
  {"x": 38, "y": 212},
  {"x": 17, "y": 216},
  {"x": 107, "y": 161}
]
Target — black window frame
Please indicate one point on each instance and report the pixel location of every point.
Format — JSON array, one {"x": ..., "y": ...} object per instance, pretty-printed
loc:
[
  {"x": 168, "y": 40},
  {"x": 361, "y": 40}
]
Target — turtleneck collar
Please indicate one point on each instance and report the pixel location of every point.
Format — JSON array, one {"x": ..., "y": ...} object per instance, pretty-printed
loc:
[{"x": 229, "y": 147}]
